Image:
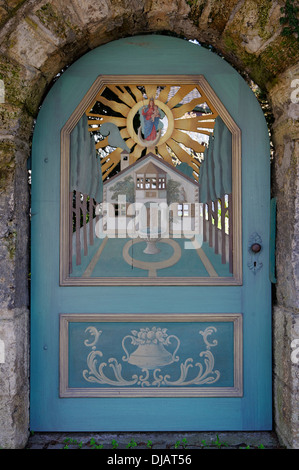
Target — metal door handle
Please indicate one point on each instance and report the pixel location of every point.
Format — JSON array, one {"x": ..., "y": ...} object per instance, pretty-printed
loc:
[{"x": 256, "y": 247}]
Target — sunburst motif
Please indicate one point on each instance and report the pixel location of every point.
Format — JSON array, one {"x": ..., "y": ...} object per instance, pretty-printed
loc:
[{"x": 188, "y": 121}]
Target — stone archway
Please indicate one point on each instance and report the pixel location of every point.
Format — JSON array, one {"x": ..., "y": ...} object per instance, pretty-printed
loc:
[{"x": 39, "y": 39}]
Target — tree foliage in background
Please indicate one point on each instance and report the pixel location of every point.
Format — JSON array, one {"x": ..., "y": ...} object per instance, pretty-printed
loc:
[{"x": 290, "y": 19}]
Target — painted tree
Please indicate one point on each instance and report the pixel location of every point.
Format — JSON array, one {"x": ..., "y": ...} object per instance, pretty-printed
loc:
[{"x": 126, "y": 188}]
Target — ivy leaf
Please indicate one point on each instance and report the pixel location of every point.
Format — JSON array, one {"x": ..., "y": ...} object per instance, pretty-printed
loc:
[{"x": 283, "y": 20}]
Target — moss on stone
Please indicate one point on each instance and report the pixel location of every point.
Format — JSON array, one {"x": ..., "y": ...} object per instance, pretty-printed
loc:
[
  {"x": 250, "y": 62},
  {"x": 196, "y": 10},
  {"x": 9, "y": 9},
  {"x": 10, "y": 242},
  {"x": 290, "y": 19},
  {"x": 264, "y": 7},
  {"x": 7, "y": 162},
  {"x": 229, "y": 43},
  {"x": 49, "y": 17},
  {"x": 220, "y": 13},
  {"x": 6, "y": 146},
  {"x": 55, "y": 20},
  {"x": 10, "y": 73},
  {"x": 282, "y": 53},
  {"x": 31, "y": 23}
]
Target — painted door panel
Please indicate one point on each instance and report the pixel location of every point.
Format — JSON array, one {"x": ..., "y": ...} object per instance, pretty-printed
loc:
[{"x": 59, "y": 312}]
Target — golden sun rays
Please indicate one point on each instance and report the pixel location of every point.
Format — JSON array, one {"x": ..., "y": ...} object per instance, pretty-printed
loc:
[{"x": 185, "y": 121}]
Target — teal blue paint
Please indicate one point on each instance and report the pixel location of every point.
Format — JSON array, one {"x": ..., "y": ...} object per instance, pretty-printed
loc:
[
  {"x": 85, "y": 167},
  {"x": 112, "y": 264},
  {"x": 272, "y": 239},
  {"x": 173, "y": 354},
  {"x": 215, "y": 174},
  {"x": 149, "y": 55}
]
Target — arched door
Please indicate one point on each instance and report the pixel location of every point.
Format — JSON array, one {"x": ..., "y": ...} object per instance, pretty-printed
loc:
[{"x": 150, "y": 245}]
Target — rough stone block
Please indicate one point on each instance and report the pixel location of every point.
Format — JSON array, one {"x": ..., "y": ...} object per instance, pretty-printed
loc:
[
  {"x": 286, "y": 375},
  {"x": 14, "y": 382}
]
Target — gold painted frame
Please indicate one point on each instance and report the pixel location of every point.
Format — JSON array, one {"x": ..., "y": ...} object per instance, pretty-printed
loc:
[
  {"x": 67, "y": 392},
  {"x": 88, "y": 100}
]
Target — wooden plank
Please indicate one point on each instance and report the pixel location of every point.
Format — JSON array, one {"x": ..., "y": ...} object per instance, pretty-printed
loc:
[
  {"x": 230, "y": 231},
  {"x": 78, "y": 241},
  {"x": 115, "y": 106},
  {"x": 216, "y": 248},
  {"x": 110, "y": 162},
  {"x": 187, "y": 141},
  {"x": 122, "y": 94},
  {"x": 163, "y": 96},
  {"x": 151, "y": 91},
  {"x": 193, "y": 125},
  {"x": 204, "y": 222},
  {"x": 182, "y": 155},
  {"x": 207, "y": 117},
  {"x": 71, "y": 213},
  {"x": 84, "y": 213},
  {"x": 223, "y": 235},
  {"x": 124, "y": 133},
  {"x": 162, "y": 149},
  {"x": 186, "y": 108},
  {"x": 180, "y": 94},
  {"x": 210, "y": 223},
  {"x": 130, "y": 142},
  {"x": 113, "y": 157},
  {"x": 137, "y": 93},
  {"x": 136, "y": 153},
  {"x": 90, "y": 219},
  {"x": 102, "y": 143}
]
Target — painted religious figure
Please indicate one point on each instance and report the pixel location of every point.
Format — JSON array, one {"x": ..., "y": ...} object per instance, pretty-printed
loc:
[{"x": 151, "y": 120}]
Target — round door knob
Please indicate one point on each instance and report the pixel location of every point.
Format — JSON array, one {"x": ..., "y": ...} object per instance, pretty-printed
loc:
[{"x": 256, "y": 248}]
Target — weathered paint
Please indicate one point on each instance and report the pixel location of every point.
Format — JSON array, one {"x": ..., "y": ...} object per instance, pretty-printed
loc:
[{"x": 149, "y": 55}]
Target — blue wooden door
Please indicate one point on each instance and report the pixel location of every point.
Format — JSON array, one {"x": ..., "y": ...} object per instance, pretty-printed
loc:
[{"x": 160, "y": 329}]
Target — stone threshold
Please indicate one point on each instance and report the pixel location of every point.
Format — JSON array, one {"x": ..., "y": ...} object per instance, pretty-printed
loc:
[{"x": 154, "y": 440}]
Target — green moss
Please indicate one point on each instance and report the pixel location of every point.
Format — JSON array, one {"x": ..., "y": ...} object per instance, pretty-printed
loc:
[
  {"x": 264, "y": 7},
  {"x": 10, "y": 11},
  {"x": 5, "y": 148},
  {"x": 49, "y": 17},
  {"x": 10, "y": 242},
  {"x": 31, "y": 22},
  {"x": 10, "y": 73},
  {"x": 55, "y": 21},
  {"x": 290, "y": 19},
  {"x": 280, "y": 54},
  {"x": 253, "y": 64},
  {"x": 196, "y": 9},
  {"x": 7, "y": 162},
  {"x": 229, "y": 43}
]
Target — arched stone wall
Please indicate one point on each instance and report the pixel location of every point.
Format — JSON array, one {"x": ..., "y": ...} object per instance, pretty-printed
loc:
[{"x": 38, "y": 39}]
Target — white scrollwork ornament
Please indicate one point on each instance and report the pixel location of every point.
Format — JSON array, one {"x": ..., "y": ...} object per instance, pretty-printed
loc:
[
  {"x": 94, "y": 332},
  {"x": 208, "y": 331},
  {"x": 151, "y": 354}
]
